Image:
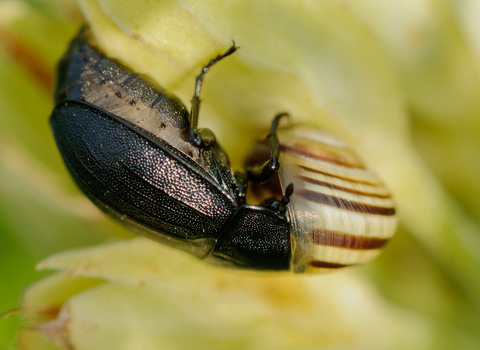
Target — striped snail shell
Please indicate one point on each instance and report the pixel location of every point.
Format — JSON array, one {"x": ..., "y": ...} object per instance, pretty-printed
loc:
[{"x": 340, "y": 213}]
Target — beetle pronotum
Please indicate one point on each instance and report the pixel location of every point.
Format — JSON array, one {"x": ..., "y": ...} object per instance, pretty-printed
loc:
[{"x": 138, "y": 154}]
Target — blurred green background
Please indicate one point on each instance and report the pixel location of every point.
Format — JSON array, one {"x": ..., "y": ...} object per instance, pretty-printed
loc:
[{"x": 41, "y": 211}]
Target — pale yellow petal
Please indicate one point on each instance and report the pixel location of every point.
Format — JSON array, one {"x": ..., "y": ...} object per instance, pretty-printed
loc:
[{"x": 170, "y": 308}]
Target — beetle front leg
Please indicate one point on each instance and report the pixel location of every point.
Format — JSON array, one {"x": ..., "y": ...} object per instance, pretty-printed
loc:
[
  {"x": 262, "y": 172},
  {"x": 242, "y": 186}
]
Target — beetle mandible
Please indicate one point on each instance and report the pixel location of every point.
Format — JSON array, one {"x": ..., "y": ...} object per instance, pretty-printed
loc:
[{"x": 139, "y": 155}]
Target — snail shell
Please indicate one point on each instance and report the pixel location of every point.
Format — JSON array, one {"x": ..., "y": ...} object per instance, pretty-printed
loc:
[{"x": 340, "y": 213}]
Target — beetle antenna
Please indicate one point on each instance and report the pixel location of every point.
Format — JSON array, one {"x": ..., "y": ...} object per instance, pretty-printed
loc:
[
  {"x": 194, "y": 111},
  {"x": 288, "y": 194},
  {"x": 279, "y": 206}
]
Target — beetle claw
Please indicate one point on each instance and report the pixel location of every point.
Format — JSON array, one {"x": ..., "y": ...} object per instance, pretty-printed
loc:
[{"x": 194, "y": 138}]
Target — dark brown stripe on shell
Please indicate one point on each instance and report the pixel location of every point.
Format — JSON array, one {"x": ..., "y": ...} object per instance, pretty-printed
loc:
[
  {"x": 326, "y": 264},
  {"x": 345, "y": 240},
  {"x": 340, "y": 188},
  {"x": 316, "y": 171},
  {"x": 301, "y": 152},
  {"x": 344, "y": 204}
]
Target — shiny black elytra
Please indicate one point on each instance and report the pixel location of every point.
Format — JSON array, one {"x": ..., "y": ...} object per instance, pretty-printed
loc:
[{"x": 137, "y": 153}]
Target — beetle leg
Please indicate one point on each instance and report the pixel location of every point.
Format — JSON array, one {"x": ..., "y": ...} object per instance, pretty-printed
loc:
[
  {"x": 242, "y": 186},
  {"x": 204, "y": 138},
  {"x": 262, "y": 172}
]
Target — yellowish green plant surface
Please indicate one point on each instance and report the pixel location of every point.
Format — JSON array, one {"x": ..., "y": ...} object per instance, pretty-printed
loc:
[{"x": 398, "y": 79}]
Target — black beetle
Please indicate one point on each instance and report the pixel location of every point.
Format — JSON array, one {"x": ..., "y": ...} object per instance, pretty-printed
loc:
[{"x": 136, "y": 152}]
